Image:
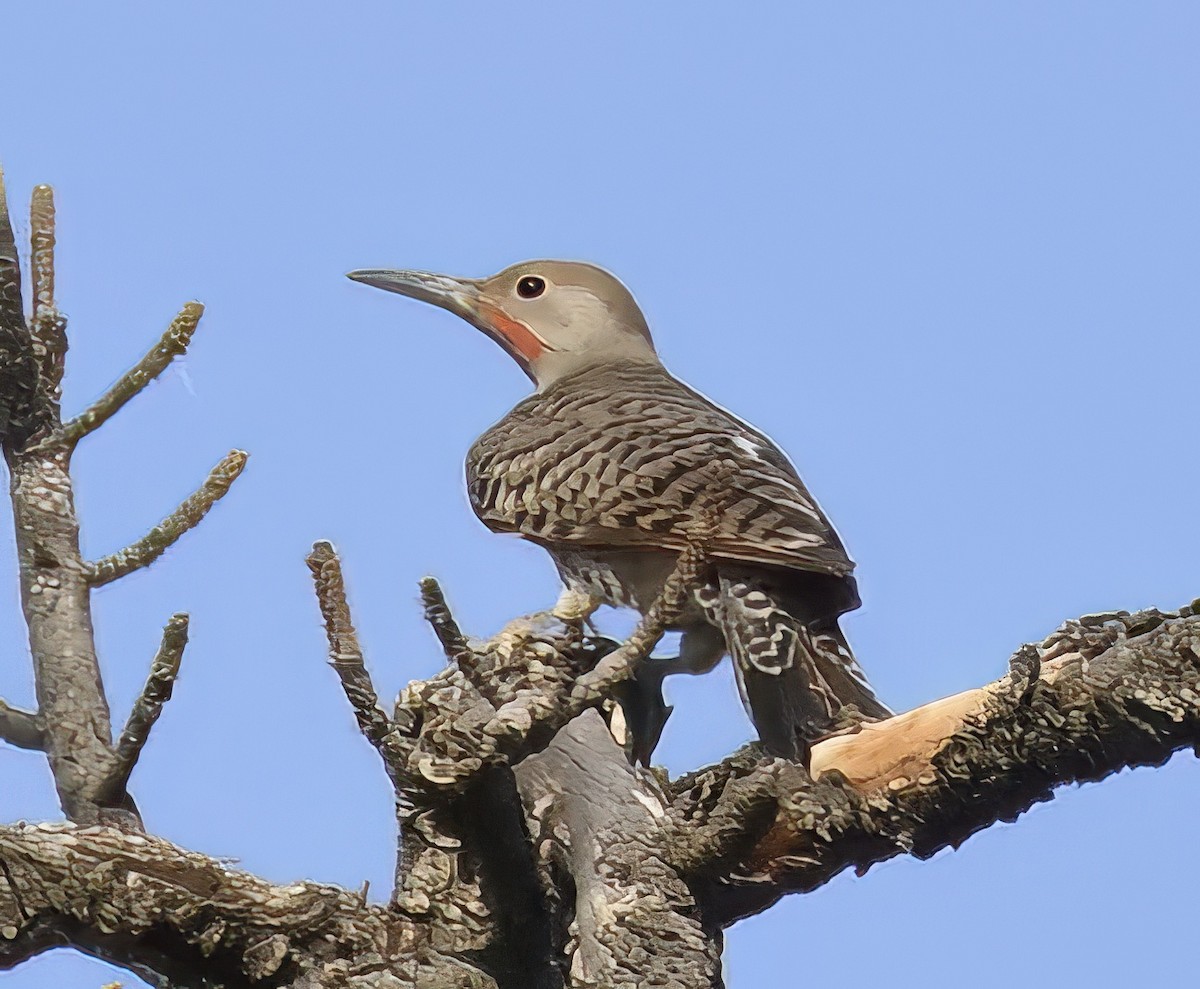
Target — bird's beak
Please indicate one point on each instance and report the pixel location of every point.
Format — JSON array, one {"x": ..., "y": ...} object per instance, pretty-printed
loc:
[
  {"x": 459, "y": 295},
  {"x": 464, "y": 298}
]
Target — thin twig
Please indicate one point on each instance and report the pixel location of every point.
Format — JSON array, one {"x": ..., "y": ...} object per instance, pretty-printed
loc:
[
  {"x": 437, "y": 613},
  {"x": 23, "y": 729},
  {"x": 159, "y": 539},
  {"x": 48, "y": 326},
  {"x": 147, "y": 708},
  {"x": 11, "y": 311},
  {"x": 172, "y": 343},
  {"x": 22, "y": 413},
  {"x": 346, "y": 656},
  {"x": 41, "y": 222}
]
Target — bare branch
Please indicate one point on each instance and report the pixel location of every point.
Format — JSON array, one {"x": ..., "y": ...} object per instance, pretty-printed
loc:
[
  {"x": 184, "y": 918},
  {"x": 12, "y": 312},
  {"x": 146, "y": 708},
  {"x": 164, "y": 535},
  {"x": 24, "y": 729},
  {"x": 22, "y": 414},
  {"x": 1114, "y": 691},
  {"x": 48, "y": 327},
  {"x": 56, "y": 602},
  {"x": 346, "y": 657},
  {"x": 41, "y": 222},
  {"x": 172, "y": 343},
  {"x": 509, "y": 697},
  {"x": 437, "y": 613}
]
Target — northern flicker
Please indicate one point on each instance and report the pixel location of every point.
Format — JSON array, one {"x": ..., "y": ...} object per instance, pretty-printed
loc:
[{"x": 608, "y": 465}]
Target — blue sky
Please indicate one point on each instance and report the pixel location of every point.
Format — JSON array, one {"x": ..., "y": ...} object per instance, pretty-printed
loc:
[{"x": 945, "y": 253}]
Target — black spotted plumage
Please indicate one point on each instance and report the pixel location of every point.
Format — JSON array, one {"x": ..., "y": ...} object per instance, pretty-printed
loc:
[{"x": 624, "y": 454}]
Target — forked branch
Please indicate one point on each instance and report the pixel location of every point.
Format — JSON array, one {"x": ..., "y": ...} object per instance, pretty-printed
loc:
[{"x": 73, "y": 723}]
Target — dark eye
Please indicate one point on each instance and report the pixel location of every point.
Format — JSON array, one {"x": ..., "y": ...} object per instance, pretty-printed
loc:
[{"x": 530, "y": 287}]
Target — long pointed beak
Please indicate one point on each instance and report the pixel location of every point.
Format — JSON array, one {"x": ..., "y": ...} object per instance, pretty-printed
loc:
[{"x": 459, "y": 295}]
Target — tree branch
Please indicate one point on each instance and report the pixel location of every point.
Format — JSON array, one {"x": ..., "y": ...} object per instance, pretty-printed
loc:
[
  {"x": 24, "y": 729},
  {"x": 49, "y": 327},
  {"x": 146, "y": 709},
  {"x": 463, "y": 866},
  {"x": 1114, "y": 691},
  {"x": 54, "y": 594},
  {"x": 499, "y": 703},
  {"x": 42, "y": 239},
  {"x": 183, "y": 918},
  {"x": 172, "y": 344},
  {"x": 346, "y": 658},
  {"x": 22, "y": 412},
  {"x": 187, "y": 516},
  {"x": 73, "y": 714},
  {"x": 619, "y": 665},
  {"x": 437, "y": 614}
]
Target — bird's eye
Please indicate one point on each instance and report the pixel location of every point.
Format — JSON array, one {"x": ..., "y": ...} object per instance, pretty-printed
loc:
[{"x": 530, "y": 287}]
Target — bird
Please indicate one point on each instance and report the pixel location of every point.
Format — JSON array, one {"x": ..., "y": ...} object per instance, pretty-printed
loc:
[{"x": 613, "y": 465}]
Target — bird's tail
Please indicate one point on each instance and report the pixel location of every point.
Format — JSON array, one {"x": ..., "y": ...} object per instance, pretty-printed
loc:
[{"x": 798, "y": 681}]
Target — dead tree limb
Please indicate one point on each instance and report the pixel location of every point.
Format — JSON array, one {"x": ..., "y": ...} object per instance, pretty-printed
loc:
[
  {"x": 1114, "y": 691},
  {"x": 600, "y": 830},
  {"x": 462, "y": 868},
  {"x": 181, "y": 919},
  {"x": 24, "y": 729},
  {"x": 54, "y": 591},
  {"x": 173, "y": 343},
  {"x": 163, "y": 536},
  {"x": 73, "y": 717},
  {"x": 147, "y": 708}
]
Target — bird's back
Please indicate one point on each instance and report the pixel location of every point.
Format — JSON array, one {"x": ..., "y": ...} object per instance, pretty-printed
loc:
[{"x": 623, "y": 455}]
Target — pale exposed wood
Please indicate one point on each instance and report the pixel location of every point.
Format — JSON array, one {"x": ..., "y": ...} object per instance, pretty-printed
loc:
[
  {"x": 901, "y": 748},
  {"x": 898, "y": 748}
]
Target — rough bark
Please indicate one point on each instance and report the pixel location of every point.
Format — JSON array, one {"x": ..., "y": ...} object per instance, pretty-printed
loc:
[
  {"x": 532, "y": 853},
  {"x": 1114, "y": 691},
  {"x": 602, "y": 837}
]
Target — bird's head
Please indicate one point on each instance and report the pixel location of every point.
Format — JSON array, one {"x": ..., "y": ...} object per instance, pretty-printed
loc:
[{"x": 553, "y": 317}]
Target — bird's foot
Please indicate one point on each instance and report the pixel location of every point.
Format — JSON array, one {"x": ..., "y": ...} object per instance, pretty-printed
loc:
[{"x": 575, "y": 606}]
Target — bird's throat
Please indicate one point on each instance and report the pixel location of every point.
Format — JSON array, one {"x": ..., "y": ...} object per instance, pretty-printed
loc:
[{"x": 518, "y": 338}]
